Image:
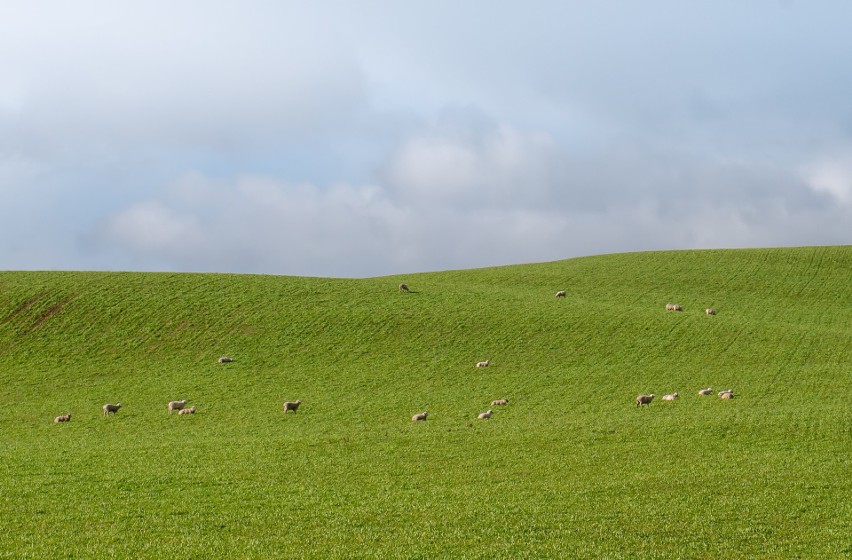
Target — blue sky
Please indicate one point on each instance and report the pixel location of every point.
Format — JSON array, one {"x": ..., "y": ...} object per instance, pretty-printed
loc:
[{"x": 366, "y": 138}]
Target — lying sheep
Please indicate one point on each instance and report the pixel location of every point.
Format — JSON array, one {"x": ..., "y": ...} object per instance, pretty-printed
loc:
[
  {"x": 673, "y": 307},
  {"x": 644, "y": 399},
  {"x": 225, "y": 360},
  {"x": 710, "y": 311},
  {"x": 190, "y": 410},
  {"x": 483, "y": 364},
  {"x": 291, "y": 405},
  {"x": 705, "y": 392},
  {"x": 560, "y": 293},
  {"x": 176, "y": 405},
  {"x": 111, "y": 408},
  {"x": 726, "y": 395},
  {"x": 485, "y": 415},
  {"x": 500, "y": 402},
  {"x": 670, "y": 397},
  {"x": 419, "y": 417},
  {"x": 63, "y": 418},
  {"x": 404, "y": 288}
]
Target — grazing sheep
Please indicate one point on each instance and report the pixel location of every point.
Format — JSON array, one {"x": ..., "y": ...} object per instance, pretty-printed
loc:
[
  {"x": 560, "y": 293},
  {"x": 404, "y": 288},
  {"x": 485, "y": 415},
  {"x": 63, "y": 418},
  {"x": 111, "y": 408},
  {"x": 500, "y": 402},
  {"x": 225, "y": 360},
  {"x": 483, "y": 364},
  {"x": 705, "y": 392},
  {"x": 710, "y": 311},
  {"x": 670, "y": 397},
  {"x": 726, "y": 395},
  {"x": 673, "y": 307},
  {"x": 419, "y": 417},
  {"x": 176, "y": 405},
  {"x": 291, "y": 405},
  {"x": 644, "y": 399},
  {"x": 190, "y": 410}
]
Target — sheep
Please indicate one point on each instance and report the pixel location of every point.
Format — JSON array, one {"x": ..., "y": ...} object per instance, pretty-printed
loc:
[
  {"x": 673, "y": 307},
  {"x": 404, "y": 288},
  {"x": 483, "y": 364},
  {"x": 225, "y": 360},
  {"x": 500, "y": 402},
  {"x": 560, "y": 293},
  {"x": 644, "y": 399},
  {"x": 419, "y": 417},
  {"x": 291, "y": 405},
  {"x": 710, "y": 311},
  {"x": 670, "y": 397},
  {"x": 63, "y": 418},
  {"x": 705, "y": 392},
  {"x": 190, "y": 410},
  {"x": 111, "y": 408},
  {"x": 726, "y": 395},
  {"x": 485, "y": 415},
  {"x": 176, "y": 405}
]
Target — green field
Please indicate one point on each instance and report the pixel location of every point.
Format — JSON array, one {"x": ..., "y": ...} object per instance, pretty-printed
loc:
[{"x": 571, "y": 468}]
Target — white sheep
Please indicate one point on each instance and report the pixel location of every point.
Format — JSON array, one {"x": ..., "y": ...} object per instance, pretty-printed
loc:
[
  {"x": 673, "y": 307},
  {"x": 560, "y": 293},
  {"x": 710, "y": 311},
  {"x": 485, "y": 415},
  {"x": 420, "y": 416},
  {"x": 291, "y": 405},
  {"x": 483, "y": 364},
  {"x": 726, "y": 394},
  {"x": 670, "y": 397},
  {"x": 63, "y": 418},
  {"x": 225, "y": 360},
  {"x": 644, "y": 399},
  {"x": 500, "y": 402},
  {"x": 190, "y": 410},
  {"x": 705, "y": 392},
  {"x": 404, "y": 288},
  {"x": 111, "y": 408},
  {"x": 176, "y": 405}
]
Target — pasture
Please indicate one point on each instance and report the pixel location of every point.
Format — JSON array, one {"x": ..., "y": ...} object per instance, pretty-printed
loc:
[{"x": 570, "y": 468}]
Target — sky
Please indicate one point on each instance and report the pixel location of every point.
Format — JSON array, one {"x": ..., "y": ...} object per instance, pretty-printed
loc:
[{"x": 360, "y": 139}]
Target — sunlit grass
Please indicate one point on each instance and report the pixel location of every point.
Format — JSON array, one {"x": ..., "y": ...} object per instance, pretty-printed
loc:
[{"x": 570, "y": 468}]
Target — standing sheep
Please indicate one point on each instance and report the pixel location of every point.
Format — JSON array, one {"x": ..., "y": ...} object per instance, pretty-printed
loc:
[
  {"x": 291, "y": 405},
  {"x": 483, "y": 364},
  {"x": 404, "y": 288},
  {"x": 670, "y": 397},
  {"x": 225, "y": 360},
  {"x": 500, "y": 402},
  {"x": 420, "y": 417},
  {"x": 190, "y": 410},
  {"x": 673, "y": 307},
  {"x": 63, "y": 418},
  {"x": 485, "y": 415},
  {"x": 705, "y": 392},
  {"x": 111, "y": 408},
  {"x": 710, "y": 311},
  {"x": 644, "y": 399},
  {"x": 176, "y": 405},
  {"x": 560, "y": 293}
]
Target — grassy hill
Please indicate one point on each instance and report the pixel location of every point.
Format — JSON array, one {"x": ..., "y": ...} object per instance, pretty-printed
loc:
[{"x": 570, "y": 468}]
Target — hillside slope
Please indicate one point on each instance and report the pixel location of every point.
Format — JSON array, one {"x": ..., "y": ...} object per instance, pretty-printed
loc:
[{"x": 570, "y": 467}]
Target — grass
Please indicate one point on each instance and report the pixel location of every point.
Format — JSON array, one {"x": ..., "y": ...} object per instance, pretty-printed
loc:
[{"x": 571, "y": 468}]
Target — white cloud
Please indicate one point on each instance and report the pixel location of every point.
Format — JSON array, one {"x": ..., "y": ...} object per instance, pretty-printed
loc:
[{"x": 831, "y": 176}]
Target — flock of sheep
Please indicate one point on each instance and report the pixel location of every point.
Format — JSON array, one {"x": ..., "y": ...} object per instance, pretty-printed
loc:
[{"x": 180, "y": 406}]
